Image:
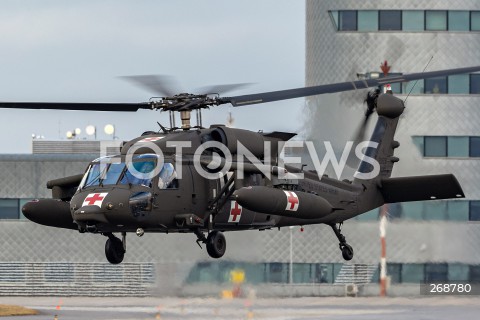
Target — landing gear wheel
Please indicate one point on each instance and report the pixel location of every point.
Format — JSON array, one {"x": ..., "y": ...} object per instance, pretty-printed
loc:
[
  {"x": 347, "y": 252},
  {"x": 216, "y": 244},
  {"x": 114, "y": 250}
]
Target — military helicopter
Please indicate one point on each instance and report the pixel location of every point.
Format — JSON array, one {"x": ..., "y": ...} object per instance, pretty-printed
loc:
[{"x": 160, "y": 182}]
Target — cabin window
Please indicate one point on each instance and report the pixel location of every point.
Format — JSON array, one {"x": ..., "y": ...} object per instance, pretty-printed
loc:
[{"x": 167, "y": 179}]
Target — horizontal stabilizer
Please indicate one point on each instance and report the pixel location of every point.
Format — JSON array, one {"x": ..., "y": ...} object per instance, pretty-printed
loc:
[{"x": 404, "y": 189}]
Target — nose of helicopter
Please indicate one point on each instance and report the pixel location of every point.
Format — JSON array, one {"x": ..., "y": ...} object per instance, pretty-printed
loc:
[
  {"x": 49, "y": 212},
  {"x": 96, "y": 206},
  {"x": 116, "y": 206}
]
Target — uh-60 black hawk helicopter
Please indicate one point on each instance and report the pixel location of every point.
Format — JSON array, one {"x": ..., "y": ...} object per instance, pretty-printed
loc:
[{"x": 110, "y": 198}]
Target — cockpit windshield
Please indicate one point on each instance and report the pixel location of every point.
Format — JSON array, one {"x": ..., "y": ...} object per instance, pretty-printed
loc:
[{"x": 141, "y": 171}]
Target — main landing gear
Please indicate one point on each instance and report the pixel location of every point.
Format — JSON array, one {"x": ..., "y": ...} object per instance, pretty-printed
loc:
[
  {"x": 215, "y": 242},
  {"x": 115, "y": 248},
  {"x": 347, "y": 250}
]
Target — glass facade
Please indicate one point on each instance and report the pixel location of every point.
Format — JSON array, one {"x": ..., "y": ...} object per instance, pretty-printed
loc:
[
  {"x": 406, "y": 20},
  {"x": 448, "y": 146},
  {"x": 442, "y": 210},
  {"x": 456, "y": 84},
  {"x": 326, "y": 273}
]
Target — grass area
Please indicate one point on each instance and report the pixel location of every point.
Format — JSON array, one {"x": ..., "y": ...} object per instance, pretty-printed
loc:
[{"x": 9, "y": 310}]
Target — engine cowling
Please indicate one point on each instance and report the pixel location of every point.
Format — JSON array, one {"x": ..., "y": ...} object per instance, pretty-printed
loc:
[{"x": 253, "y": 141}]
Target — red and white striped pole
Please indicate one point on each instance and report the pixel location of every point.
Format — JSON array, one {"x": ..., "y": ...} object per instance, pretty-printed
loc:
[{"x": 383, "y": 258}]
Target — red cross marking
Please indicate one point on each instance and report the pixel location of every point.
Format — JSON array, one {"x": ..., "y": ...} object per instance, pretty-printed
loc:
[
  {"x": 234, "y": 212},
  {"x": 292, "y": 200},
  {"x": 94, "y": 198},
  {"x": 151, "y": 139}
]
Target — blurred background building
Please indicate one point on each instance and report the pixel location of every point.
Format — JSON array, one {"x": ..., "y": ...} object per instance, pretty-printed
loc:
[{"x": 425, "y": 240}]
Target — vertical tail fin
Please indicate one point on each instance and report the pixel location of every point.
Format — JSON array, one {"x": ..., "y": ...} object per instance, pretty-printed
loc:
[{"x": 378, "y": 160}]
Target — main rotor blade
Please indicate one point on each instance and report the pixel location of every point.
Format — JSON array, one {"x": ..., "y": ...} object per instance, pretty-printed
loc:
[
  {"x": 221, "y": 88},
  {"x": 162, "y": 85},
  {"x": 338, "y": 87},
  {"x": 127, "y": 107}
]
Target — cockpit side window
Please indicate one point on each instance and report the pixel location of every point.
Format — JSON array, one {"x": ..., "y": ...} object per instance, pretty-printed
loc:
[
  {"x": 113, "y": 173},
  {"x": 93, "y": 178},
  {"x": 140, "y": 175},
  {"x": 167, "y": 179}
]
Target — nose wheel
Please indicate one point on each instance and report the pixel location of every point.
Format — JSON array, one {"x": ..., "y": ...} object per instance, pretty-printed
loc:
[
  {"x": 347, "y": 250},
  {"x": 115, "y": 248},
  {"x": 215, "y": 242}
]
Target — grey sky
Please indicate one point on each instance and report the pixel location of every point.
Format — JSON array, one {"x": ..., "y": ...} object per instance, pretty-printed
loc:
[{"x": 74, "y": 51}]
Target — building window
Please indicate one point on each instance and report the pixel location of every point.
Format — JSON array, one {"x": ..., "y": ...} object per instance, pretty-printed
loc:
[
  {"x": 413, "y": 20},
  {"x": 390, "y": 20},
  {"x": 278, "y": 272},
  {"x": 474, "y": 274},
  {"x": 334, "y": 17},
  {"x": 458, "y": 147},
  {"x": 436, "y": 20},
  {"x": 475, "y": 20},
  {"x": 435, "y": 210},
  {"x": 394, "y": 270},
  {"x": 458, "y": 84},
  {"x": 367, "y": 20},
  {"x": 413, "y": 210},
  {"x": 413, "y": 273},
  {"x": 9, "y": 209},
  {"x": 347, "y": 20},
  {"x": 459, "y": 21},
  {"x": 474, "y": 147},
  {"x": 414, "y": 87},
  {"x": 475, "y": 83},
  {"x": 436, "y": 272},
  {"x": 435, "y": 146},
  {"x": 407, "y": 20},
  {"x": 457, "y": 210},
  {"x": 436, "y": 85},
  {"x": 474, "y": 214}
]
